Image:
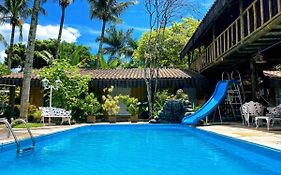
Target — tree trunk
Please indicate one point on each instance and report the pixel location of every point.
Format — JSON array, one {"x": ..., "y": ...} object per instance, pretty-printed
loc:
[
  {"x": 60, "y": 31},
  {"x": 101, "y": 42},
  {"x": 29, "y": 61},
  {"x": 10, "y": 54}
]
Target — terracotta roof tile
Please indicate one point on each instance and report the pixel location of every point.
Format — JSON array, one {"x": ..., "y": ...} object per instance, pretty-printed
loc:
[
  {"x": 135, "y": 73},
  {"x": 121, "y": 74}
]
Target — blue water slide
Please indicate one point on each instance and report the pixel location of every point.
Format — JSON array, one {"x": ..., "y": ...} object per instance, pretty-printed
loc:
[{"x": 217, "y": 97}]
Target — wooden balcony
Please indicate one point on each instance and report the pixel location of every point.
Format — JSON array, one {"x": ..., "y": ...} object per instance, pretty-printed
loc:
[{"x": 258, "y": 27}]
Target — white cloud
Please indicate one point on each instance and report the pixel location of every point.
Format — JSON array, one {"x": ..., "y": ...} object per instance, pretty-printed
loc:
[{"x": 69, "y": 34}]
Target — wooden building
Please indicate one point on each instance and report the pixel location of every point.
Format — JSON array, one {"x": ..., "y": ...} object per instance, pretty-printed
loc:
[
  {"x": 242, "y": 35},
  {"x": 125, "y": 81}
]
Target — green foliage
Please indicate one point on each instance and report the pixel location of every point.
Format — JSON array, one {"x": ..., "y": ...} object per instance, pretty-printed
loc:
[
  {"x": 160, "y": 98},
  {"x": 119, "y": 43},
  {"x": 110, "y": 104},
  {"x": 174, "y": 40},
  {"x": 87, "y": 106},
  {"x": 4, "y": 69},
  {"x": 34, "y": 114},
  {"x": 31, "y": 125},
  {"x": 131, "y": 104},
  {"x": 45, "y": 51},
  {"x": 108, "y": 64},
  {"x": 72, "y": 86}
]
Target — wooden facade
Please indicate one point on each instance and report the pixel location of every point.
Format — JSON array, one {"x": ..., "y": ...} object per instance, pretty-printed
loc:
[
  {"x": 242, "y": 35},
  {"x": 240, "y": 30}
]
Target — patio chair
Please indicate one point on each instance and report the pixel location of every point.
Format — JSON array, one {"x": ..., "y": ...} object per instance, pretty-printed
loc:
[{"x": 250, "y": 110}]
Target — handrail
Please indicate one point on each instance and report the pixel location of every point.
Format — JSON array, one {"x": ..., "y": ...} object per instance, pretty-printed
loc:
[
  {"x": 28, "y": 129},
  {"x": 240, "y": 29},
  {"x": 10, "y": 130}
]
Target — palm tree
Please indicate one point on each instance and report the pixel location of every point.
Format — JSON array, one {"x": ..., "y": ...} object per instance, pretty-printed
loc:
[
  {"x": 63, "y": 4},
  {"x": 119, "y": 43},
  {"x": 106, "y": 11},
  {"x": 29, "y": 60},
  {"x": 13, "y": 12}
]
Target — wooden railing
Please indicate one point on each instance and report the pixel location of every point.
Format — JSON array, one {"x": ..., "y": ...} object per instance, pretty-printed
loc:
[{"x": 254, "y": 17}]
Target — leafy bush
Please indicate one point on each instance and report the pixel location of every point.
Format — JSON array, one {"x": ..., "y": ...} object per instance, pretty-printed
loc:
[
  {"x": 131, "y": 103},
  {"x": 160, "y": 98},
  {"x": 110, "y": 104},
  {"x": 73, "y": 89},
  {"x": 33, "y": 115},
  {"x": 87, "y": 106}
]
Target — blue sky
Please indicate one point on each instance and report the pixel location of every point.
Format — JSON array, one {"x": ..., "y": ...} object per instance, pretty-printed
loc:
[{"x": 79, "y": 28}]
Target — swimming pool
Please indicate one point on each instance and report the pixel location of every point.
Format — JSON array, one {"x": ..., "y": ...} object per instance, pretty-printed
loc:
[{"x": 141, "y": 150}]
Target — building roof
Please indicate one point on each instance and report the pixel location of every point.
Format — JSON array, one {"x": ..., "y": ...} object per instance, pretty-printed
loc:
[
  {"x": 272, "y": 74},
  {"x": 135, "y": 73},
  {"x": 117, "y": 77}
]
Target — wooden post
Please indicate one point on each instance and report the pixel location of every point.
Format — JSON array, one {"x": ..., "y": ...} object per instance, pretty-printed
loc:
[
  {"x": 253, "y": 68},
  {"x": 241, "y": 19},
  {"x": 12, "y": 98}
]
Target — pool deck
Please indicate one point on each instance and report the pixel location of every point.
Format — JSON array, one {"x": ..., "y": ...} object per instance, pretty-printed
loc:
[{"x": 259, "y": 136}]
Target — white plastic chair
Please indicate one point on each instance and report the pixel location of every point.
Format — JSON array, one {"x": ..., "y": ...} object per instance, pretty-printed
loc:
[{"x": 250, "y": 110}]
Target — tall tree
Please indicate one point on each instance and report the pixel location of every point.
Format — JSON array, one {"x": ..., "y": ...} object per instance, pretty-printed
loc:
[
  {"x": 119, "y": 43},
  {"x": 13, "y": 12},
  {"x": 160, "y": 14},
  {"x": 106, "y": 11},
  {"x": 63, "y": 4},
  {"x": 27, "y": 73}
]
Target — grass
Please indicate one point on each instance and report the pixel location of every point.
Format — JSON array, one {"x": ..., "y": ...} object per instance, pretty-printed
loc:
[{"x": 31, "y": 125}]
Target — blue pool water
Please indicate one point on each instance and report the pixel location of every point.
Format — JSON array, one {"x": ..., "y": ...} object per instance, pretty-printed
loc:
[{"x": 141, "y": 150}]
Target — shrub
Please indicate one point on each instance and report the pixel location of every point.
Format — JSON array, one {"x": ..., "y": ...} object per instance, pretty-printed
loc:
[
  {"x": 110, "y": 104},
  {"x": 33, "y": 115},
  {"x": 131, "y": 103}
]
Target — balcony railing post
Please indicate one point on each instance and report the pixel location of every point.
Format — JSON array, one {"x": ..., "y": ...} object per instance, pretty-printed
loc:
[{"x": 262, "y": 14}]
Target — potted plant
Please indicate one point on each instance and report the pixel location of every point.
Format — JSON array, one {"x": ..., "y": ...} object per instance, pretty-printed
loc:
[
  {"x": 131, "y": 106},
  {"x": 89, "y": 108},
  {"x": 110, "y": 105}
]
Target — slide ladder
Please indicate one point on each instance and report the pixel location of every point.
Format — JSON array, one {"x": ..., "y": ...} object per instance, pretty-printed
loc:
[
  {"x": 235, "y": 94},
  {"x": 11, "y": 131}
]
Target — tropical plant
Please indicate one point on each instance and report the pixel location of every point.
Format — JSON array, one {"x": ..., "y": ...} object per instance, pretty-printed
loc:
[
  {"x": 131, "y": 104},
  {"x": 103, "y": 64},
  {"x": 73, "y": 86},
  {"x": 29, "y": 59},
  {"x": 110, "y": 104},
  {"x": 13, "y": 12},
  {"x": 119, "y": 43},
  {"x": 63, "y": 4},
  {"x": 175, "y": 36},
  {"x": 86, "y": 106},
  {"x": 45, "y": 51},
  {"x": 4, "y": 70},
  {"x": 106, "y": 11},
  {"x": 160, "y": 98}
]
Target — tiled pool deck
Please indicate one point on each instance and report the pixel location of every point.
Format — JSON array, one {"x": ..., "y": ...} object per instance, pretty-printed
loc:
[{"x": 260, "y": 136}]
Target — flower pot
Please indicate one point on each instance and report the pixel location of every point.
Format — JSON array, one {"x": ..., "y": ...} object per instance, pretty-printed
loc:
[
  {"x": 112, "y": 119},
  {"x": 134, "y": 118},
  {"x": 91, "y": 119}
]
